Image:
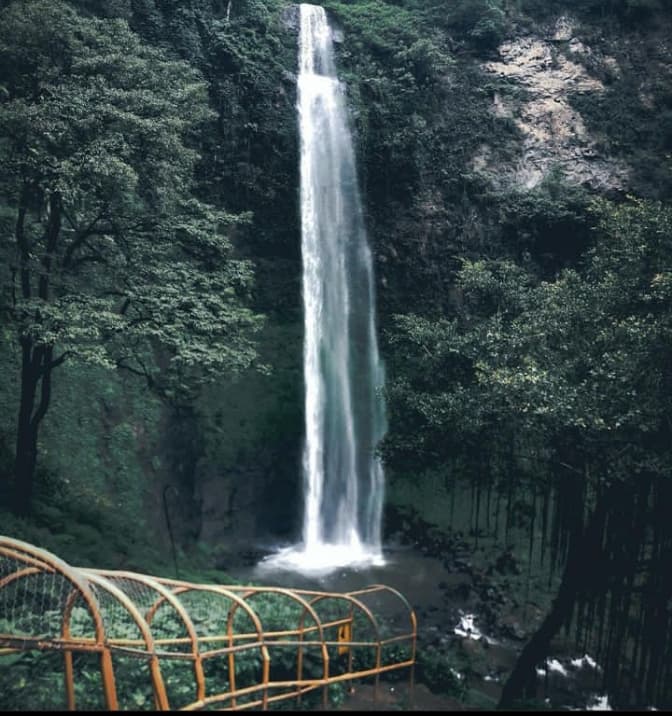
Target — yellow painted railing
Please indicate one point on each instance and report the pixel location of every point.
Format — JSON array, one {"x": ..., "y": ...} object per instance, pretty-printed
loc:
[{"x": 194, "y": 646}]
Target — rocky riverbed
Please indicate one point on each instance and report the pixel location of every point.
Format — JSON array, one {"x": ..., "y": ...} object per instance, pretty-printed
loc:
[{"x": 476, "y": 606}]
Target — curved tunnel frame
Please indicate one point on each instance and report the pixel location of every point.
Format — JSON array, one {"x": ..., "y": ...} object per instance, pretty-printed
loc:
[{"x": 320, "y": 632}]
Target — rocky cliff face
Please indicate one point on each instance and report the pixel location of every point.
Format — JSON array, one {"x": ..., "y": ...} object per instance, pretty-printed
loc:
[
  {"x": 551, "y": 68},
  {"x": 553, "y": 134}
]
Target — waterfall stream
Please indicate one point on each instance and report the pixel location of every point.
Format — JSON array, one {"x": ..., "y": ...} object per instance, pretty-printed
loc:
[{"x": 343, "y": 373}]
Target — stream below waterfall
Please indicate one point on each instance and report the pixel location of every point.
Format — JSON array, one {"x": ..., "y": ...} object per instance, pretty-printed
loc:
[{"x": 470, "y": 623}]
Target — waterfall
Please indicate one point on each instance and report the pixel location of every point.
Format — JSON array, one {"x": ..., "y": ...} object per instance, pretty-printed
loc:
[{"x": 344, "y": 409}]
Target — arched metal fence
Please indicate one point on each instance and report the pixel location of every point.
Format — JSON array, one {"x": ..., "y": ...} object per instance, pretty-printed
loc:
[{"x": 84, "y": 638}]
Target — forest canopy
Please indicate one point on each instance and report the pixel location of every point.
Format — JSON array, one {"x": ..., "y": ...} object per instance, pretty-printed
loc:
[{"x": 113, "y": 258}]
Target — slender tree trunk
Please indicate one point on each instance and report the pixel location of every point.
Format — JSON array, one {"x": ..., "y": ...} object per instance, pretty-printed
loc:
[
  {"x": 37, "y": 366},
  {"x": 581, "y": 572},
  {"x": 26, "y": 433},
  {"x": 24, "y": 470},
  {"x": 36, "y": 361}
]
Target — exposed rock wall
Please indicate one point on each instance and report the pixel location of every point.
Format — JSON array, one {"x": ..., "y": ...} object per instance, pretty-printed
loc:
[{"x": 548, "y": 68}]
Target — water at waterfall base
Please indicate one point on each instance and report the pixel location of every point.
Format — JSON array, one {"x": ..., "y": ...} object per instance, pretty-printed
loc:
[
  {"x": 451, "y": 621},
  {"x": 320, "y": 559}
]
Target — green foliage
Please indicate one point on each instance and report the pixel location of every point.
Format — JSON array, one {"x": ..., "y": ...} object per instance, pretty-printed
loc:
[
  {"x": 637, "y": 129},
  {"x": 482, "y": 21},
  {"x": 582, "y": 355},
  {"x": 254, "y": 425},
  {"x": 474, "y": 24},
  {"x": 557, "y": 384},
  {"x": 34, "y": 680},
  {"x": 250, "y": 154},
  {"x": 395, "y": 64},
  {"x": 381, "y": 28},
  {"x": 581, "y": 343},
  {"x": 106, "y": 8},
  {"x": 628, "y": 10},
  {"x": 177, "y": 266},
  {"x": 438, "y": 671},
  {"x": 547, "y": 226},
  {"x": 135, "y": 262}
]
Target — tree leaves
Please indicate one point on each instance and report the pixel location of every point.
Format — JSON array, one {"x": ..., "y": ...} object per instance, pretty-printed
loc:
[
  {"x": 587, "y": 353},
  {"x": 139, "y": 267}
]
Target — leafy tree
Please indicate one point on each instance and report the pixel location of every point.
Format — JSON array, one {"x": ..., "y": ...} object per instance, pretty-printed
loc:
[
  {"x": 626, "y": 9},
  {"x": 579, "y": 366},
  {"x": 481, "y": 23},
  {"x": 585, "y": 352},
  {"x": 111, "y": 258}
]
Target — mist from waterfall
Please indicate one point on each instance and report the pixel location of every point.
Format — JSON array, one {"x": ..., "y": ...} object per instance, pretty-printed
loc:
[{"x": 344, "y": 408}]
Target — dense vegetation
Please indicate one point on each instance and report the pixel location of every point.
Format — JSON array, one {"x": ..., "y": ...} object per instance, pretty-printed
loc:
[{"x": 148, "y": 218}]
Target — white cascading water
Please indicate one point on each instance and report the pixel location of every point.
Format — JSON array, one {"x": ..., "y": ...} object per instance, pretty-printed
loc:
[{"x": 345, "y": 411}]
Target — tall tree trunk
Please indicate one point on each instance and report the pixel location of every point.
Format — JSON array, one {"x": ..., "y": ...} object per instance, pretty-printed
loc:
[
  {"x": 36, "y": 360},
  {"x": 36, "y": 367},
  {"x": 26, "y": 433},
  {"x": 581, "y": 573}
]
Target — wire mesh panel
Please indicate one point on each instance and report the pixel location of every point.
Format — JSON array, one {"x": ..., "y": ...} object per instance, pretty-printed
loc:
[{"x": 95, "y": 639}]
